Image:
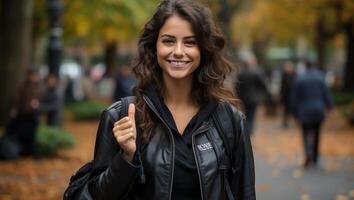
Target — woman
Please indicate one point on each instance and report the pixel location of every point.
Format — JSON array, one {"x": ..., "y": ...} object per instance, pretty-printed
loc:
[
  {"x": 24, "y": 117},
  {"x": 166, "y": 153}
]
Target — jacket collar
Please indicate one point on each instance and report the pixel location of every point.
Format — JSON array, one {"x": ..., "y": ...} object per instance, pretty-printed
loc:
[{"x": 156, "y": 103}]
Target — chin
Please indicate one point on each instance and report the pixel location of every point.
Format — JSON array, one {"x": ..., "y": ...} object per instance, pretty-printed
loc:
[{"x": 179, "y": 75}]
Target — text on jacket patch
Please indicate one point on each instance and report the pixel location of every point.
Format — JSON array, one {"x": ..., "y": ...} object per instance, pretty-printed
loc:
[{"x": 205, "y": 146}]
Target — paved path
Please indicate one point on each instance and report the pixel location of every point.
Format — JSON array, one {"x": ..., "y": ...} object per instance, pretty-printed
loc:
[{"x": 278, "y": 159}]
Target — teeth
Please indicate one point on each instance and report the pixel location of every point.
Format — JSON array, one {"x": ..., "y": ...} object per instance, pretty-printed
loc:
[{"x": 178, "y": 62}]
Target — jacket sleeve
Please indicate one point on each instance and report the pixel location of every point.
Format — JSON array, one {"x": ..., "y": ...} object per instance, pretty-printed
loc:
[
  {"x": 327, "y": 97},
  {"x": 113, "y": 177},
  {"x": 243, "y": 176}
]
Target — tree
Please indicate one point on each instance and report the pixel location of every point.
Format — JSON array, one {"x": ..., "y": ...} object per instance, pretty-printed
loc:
[
  {"x": 285, "y": 21},
  {"x": 106, "y": 21},
  {"x": 224, "y": 10},
  {"x": 15, "y": 34}
]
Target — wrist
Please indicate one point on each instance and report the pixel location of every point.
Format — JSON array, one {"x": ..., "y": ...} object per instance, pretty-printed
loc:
[{"x": 128, "y": 156}]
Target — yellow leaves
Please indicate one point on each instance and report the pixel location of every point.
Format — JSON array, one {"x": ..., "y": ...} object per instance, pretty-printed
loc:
[
  {"x": 82, "y": 27},
  {"x": 298, "y": 173},
  {"x": 285, "y": 20},
  {"x": 262, "y": 187},
  {"x": 348, "y": 11},
  {"x": 114, "y": 34},
  {"x": 351, "y": 193},
  {"x": 342, "y": 197},
  {"x": 39, "y": 5},
  {"x": 107, "y": 20},
  {"x": 113, "y": 1},
  {"x": 305, "y": 197}
]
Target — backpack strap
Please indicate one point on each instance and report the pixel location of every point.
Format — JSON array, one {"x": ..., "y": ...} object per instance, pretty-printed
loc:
[
  {"x": 119, "y": 109},
  {"x": 225, "y": 124},
  {"x": 125, "y": 105}
]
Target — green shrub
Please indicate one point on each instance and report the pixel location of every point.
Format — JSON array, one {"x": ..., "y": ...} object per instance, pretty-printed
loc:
[
  {"x": 86, "y": 110},
  {"x": 50, "y": 139},
  {"x": 343, "y": 97}
]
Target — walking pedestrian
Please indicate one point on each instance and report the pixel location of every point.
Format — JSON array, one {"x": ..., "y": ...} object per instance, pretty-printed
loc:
[
  {"x": 51, "y": 101},
  {"x": 124, "y": 83},
  {"x": 310, "y": 99},
  {"x": 252, "y": 90},
  {"x": 287, "y": 81},
  {"x": 169, "y": 137}
]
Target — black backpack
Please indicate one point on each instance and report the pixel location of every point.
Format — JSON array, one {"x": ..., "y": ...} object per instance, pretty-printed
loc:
[
  {"x": 224, "y": 121},
  {"x": 76, "y": 187}
]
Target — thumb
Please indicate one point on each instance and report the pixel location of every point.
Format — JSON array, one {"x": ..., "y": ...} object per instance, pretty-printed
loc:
[{"x": 131, "y": 112}]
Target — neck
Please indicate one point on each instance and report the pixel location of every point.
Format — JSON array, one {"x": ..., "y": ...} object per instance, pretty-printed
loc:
[{"x": 178, "y": 92}]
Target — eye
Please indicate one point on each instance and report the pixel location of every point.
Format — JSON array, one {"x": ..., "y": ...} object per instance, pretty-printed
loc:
[
  {"x": 168, "y": 42},
  {"x": 190, "y": 43}
]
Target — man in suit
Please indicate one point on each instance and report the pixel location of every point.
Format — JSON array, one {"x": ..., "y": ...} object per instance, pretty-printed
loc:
[{"x": 310, "y": 99}]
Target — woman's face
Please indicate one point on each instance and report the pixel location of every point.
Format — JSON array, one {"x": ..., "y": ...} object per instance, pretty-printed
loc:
[{"x": 177, "y": 51}]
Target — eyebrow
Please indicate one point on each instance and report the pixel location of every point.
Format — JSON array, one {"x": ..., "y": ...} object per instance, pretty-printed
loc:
[{"x": 171, "y": 36}]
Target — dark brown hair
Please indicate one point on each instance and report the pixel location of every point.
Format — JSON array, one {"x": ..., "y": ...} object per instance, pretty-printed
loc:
[{"x": 209, "y": 77}]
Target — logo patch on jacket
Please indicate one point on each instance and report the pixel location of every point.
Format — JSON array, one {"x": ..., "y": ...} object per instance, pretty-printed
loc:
[{"x": 204, "y": 147}]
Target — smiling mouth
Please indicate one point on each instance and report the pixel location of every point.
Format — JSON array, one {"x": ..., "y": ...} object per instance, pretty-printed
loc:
[{"x": 178, "y": 63}]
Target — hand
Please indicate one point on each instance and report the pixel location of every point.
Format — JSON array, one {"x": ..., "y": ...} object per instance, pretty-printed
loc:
[
  {"x": 124, "y": 131},
  {"x": 333, "y": 113},
  {"x": 34, "y": 103}
]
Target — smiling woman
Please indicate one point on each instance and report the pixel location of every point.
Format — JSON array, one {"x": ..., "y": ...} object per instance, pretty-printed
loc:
[
  {"x": 177, "y": 51},
  {"x": 170, "y": 145}
]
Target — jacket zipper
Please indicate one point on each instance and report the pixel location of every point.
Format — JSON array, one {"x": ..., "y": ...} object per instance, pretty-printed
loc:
[
  {"x": 200, "y": 130},
  {"x": 150, "y": 104}
]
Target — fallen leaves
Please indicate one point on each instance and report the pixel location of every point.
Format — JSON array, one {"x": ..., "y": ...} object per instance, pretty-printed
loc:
[{"x": 47, "y": 178}]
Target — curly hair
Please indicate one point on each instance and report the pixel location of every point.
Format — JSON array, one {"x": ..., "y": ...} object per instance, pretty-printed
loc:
[{"x": 208, "y": 78}]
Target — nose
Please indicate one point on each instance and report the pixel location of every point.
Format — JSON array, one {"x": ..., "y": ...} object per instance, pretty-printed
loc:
[{"x": 178, "y": 51}]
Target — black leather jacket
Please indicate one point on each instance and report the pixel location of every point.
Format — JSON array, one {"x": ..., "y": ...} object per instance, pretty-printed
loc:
[{"x": 151, "y": 175}]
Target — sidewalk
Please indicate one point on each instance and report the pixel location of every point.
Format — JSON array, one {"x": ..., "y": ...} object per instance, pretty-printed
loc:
[{"x": 279, "y": 157}]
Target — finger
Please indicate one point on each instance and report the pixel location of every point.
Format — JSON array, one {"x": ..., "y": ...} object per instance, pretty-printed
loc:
[
  {"x": 128, "y": 124},
  {"x": 121, "y": 121},
  {"x": 125, "y": 138},
  {"x": 123, "y": 132},
  {"x": 131, "y": 112}
]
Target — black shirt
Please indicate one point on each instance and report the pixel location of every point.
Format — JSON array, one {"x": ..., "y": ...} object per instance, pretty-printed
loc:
[{"x": 186, "y": 180}]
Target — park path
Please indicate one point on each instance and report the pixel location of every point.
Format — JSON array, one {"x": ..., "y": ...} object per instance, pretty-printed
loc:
[{"x": 279, "y": 157}]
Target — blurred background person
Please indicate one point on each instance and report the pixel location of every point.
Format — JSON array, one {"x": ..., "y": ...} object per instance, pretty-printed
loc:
[
  {"x": 287, "y": 80},
  {"x": 124, "y": 83},
  {"x": 51, "y": 101},
  {"x": 310, "y": 99},
  {"x": 69, "y": 95},
  {"x": 88, "y": 86},
  {"x": 251, "y": 89},
  {"x": 24, "y": 118}
]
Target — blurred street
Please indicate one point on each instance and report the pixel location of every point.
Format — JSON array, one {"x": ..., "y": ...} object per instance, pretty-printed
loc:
[{"x": 278, "y": 158}]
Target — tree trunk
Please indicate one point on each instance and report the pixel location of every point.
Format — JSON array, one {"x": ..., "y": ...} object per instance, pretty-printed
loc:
[
  {"x": 349, "y": 66},
  {"x": 110, "y": 58},
  {"x": 224, "y": 16},
  {"x": 15, "y": 23},
  {"x": 321, "y": 40}
]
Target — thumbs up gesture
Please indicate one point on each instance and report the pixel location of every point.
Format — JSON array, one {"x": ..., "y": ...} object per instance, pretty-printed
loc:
[{"x": 124, "y": 131}]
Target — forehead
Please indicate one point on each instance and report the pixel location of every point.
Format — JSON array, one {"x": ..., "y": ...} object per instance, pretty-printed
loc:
[{"x": 177, "y": 26}]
